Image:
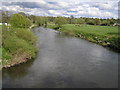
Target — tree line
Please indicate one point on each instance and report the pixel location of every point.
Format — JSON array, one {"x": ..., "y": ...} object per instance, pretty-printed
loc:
[{"x": 44, "y": 20}]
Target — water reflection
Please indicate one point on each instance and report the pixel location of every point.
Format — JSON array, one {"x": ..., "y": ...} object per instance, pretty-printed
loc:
[{"x": 18, "y": 71}]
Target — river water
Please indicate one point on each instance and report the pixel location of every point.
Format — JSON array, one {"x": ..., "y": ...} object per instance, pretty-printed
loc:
[{"x": 65, "y": 62}]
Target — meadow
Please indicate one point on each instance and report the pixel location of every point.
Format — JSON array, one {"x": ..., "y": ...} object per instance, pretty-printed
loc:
[{"x": 104, "y": 35}]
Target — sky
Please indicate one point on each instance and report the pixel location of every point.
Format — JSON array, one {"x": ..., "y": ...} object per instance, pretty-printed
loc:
[{"x": 77, "y": 8}]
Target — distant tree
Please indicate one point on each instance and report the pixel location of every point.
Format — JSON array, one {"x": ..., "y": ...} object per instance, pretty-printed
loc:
[
  {"x": 72, "y": 19},
  {"x": 32, "y": 18},
  {"x": 87, "y": 20},
  {"x": 22, "y": 13},
  {"x": 42, "y": 21},
  {"x": 50, "y": 19},
  {"x": 60, "y": 21},
  {"x": 112, "y": 21},
  {"x": 19, "y": 21},
  {"x": 45, "y": 21},
  {"x": 97, "y": 21},
  {"x": 39, "y": 21},
  {"x": 80, "y": 21},
  {"x": 90, "y": 22},
  {"x": 105, "y": 23},
  {"x": 68, "y": 20},
  {"x": 72, "y": 16}
]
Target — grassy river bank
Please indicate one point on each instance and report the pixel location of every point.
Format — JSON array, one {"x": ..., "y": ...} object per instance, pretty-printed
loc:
[{"x": 103, "y": 35}]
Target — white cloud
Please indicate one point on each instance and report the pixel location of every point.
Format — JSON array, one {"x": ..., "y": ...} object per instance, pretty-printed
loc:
[
  {"x": 63, "y": 4},
  {"x": 54, "y": 12},
  {"x": 66, "y": 8},
  {"x": 105, "y": 5},
  {"x": 57, "y": 12}
]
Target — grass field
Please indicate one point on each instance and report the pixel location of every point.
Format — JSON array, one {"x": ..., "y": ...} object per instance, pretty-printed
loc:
[{"x": 103, "y": 35}]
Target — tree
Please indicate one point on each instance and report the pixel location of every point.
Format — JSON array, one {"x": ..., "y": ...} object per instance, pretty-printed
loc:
[
  {"x": 22, "y": 13},
  {"x": 19, "y": 21},
  {"x": 42, "y": 21},
  {"x": 71, "y": 19},
  {"x": 74, "y": 21},
  {"x": 80, "y": 21},
  {"x": 32, "y": 18},
  {"x": 90, "y": 22},
  {"x": 112, "y": 21},
  {"x": 97, "y": 21},
  {"x": 105, "y": 23},
  {"x": 87, "y": 20},
  {"x": 45, "y": 21},
  {"x": 60, "y": 21},
  {"x": 51, "y": 18}
]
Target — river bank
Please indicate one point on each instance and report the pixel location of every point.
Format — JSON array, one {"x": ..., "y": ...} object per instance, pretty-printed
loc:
[
  {"x": 18, "y": 46},
  {"x": 18, "y": 60},
  {"x": 107, "y": 36}
]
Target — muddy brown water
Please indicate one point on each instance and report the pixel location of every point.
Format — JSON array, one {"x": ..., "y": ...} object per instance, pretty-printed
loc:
[{"x": 64, "y": 62}]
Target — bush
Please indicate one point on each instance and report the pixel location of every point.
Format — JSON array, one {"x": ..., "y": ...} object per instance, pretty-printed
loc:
[{"x": 25, "y": 34}]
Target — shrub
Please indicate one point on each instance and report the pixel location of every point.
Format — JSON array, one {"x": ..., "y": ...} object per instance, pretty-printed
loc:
[{"x": 25, "y": 34}]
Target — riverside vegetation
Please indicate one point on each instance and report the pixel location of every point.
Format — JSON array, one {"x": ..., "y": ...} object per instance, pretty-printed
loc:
[
  {"x": 18, "y": 44},
  {"x": 18, "y": 41},
  {"x": 104, "y": 35},
  {"x": 100, "y": 31}
]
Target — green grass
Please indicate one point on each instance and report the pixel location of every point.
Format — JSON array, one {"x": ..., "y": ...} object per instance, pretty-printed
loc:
[
  {"x": 103, "y": 35},
  {"x": 91, "y": 29}
]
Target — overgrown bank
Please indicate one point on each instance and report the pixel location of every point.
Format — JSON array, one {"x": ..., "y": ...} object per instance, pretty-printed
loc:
[
  {"x": 18, "y": 46},
  {"x": 104, "y": 35},
  {"x": 18, "y": 42}
]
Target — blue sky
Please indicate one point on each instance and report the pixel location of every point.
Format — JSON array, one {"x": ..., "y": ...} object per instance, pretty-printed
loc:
[{"x": 77, "y": 8}]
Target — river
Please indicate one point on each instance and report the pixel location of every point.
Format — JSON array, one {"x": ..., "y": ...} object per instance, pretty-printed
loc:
[{"x": 64, "y": 62}]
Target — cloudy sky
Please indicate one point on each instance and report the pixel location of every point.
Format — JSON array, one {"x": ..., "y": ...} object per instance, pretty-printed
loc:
[{"x": 77, "y": 8}]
